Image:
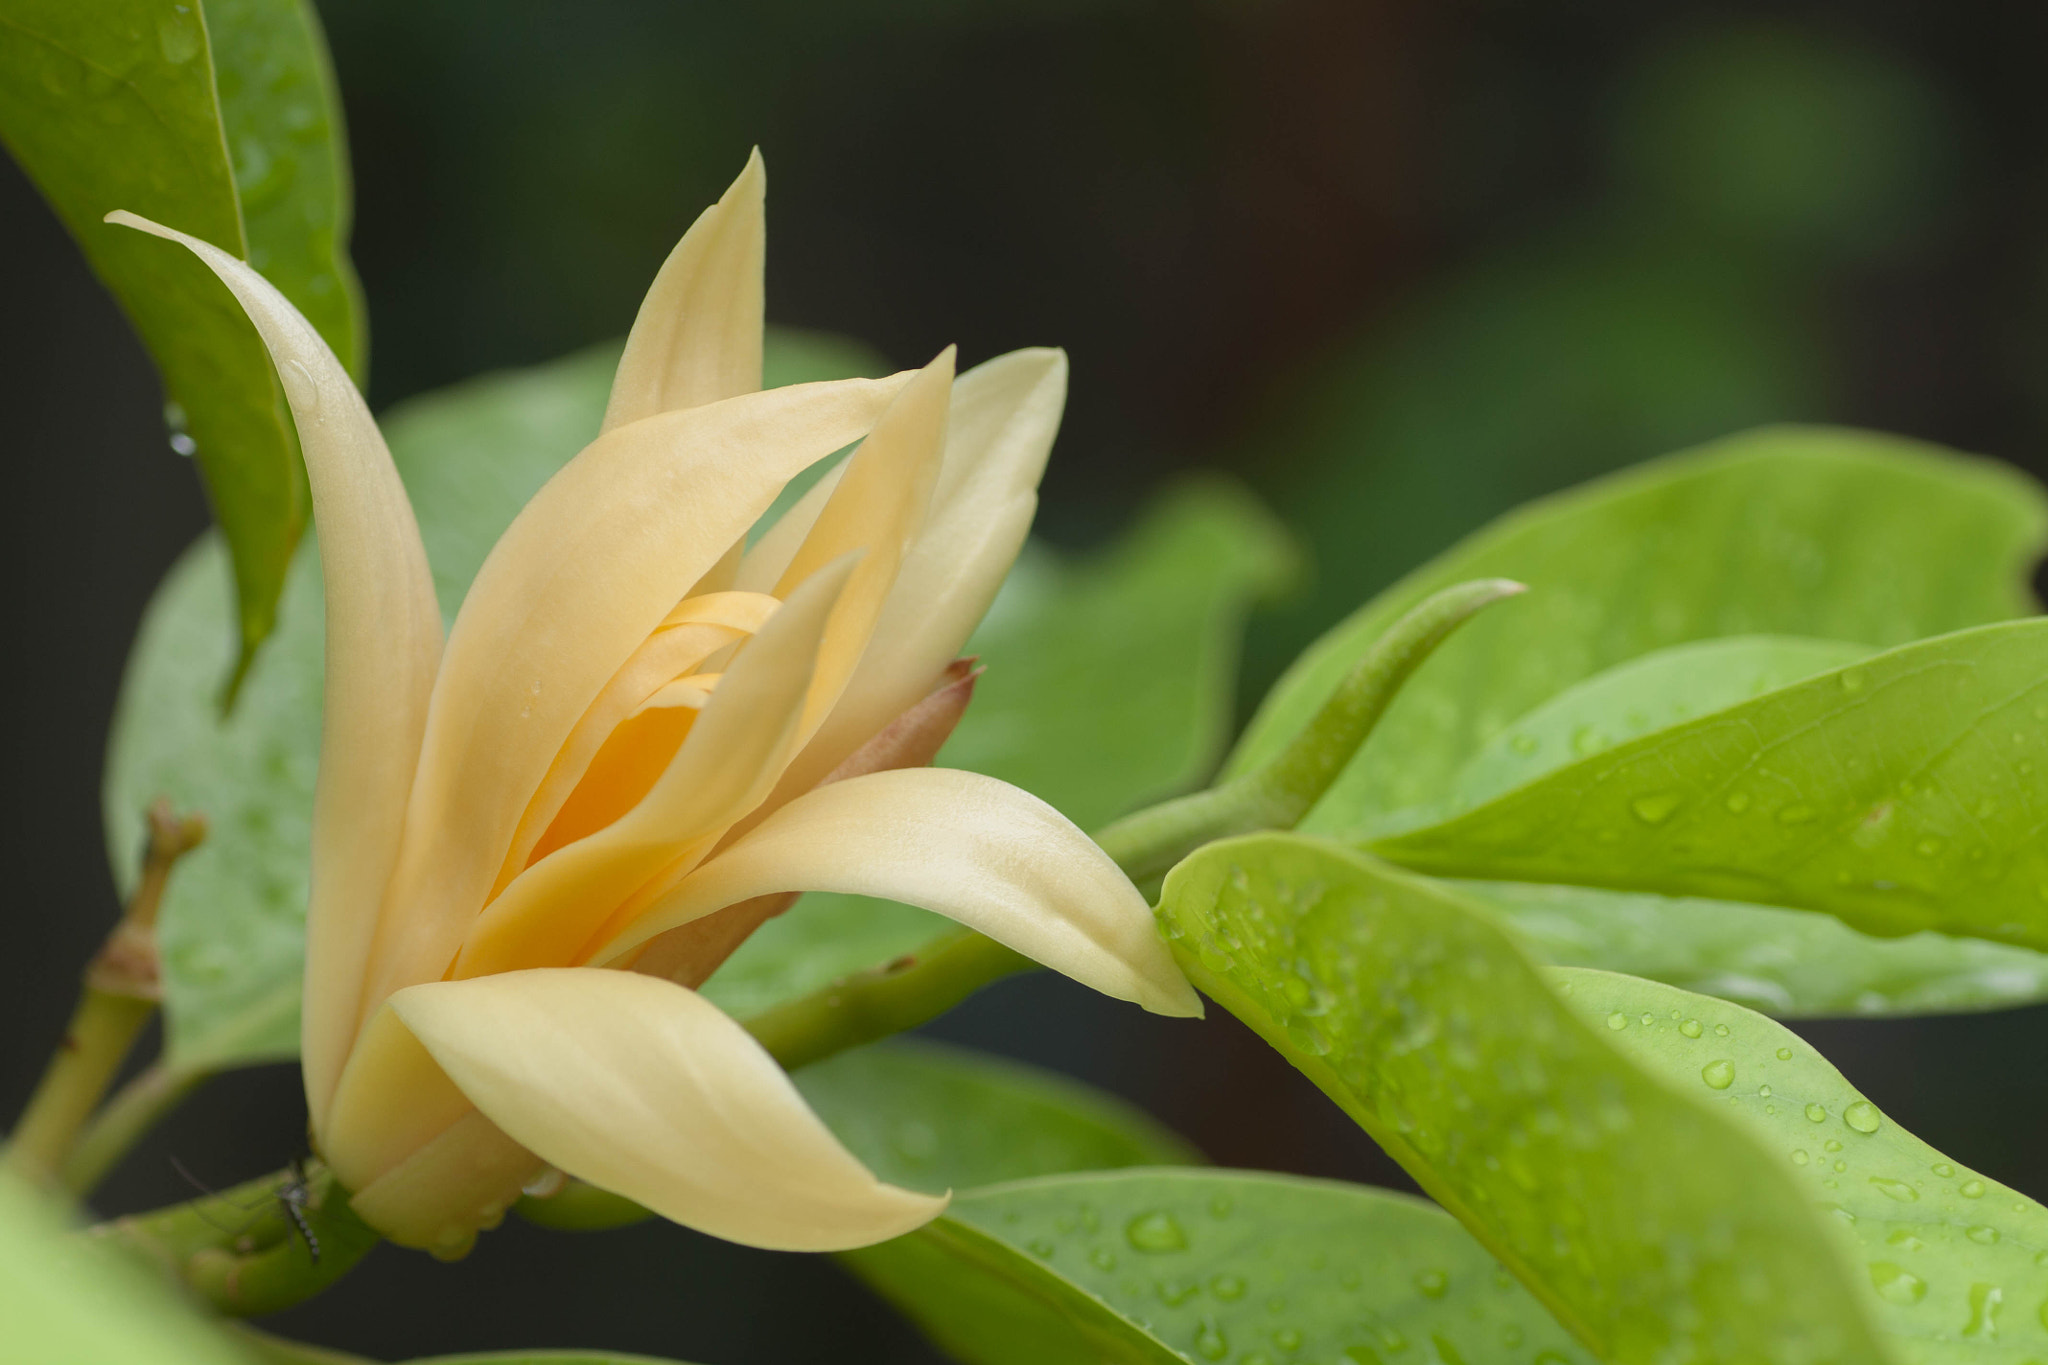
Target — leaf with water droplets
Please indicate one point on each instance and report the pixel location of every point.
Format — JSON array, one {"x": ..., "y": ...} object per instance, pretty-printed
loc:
[
  {"x": 1787, "y": 963},
  {"x": 1937, "y": 1238},
  {"x": 1188, "y": 1267},
  {"x": 1910, "y": 800},
  {"x": 1651, "y": 1225},
  {"x": 219, "y": 119},
  {"x": 1813, "y": 531}
]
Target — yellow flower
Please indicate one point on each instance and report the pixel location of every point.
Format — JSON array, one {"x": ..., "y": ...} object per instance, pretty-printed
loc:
[{"x": 639, "y": 729}]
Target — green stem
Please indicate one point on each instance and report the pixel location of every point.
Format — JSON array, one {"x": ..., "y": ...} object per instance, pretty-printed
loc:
[
  {"x": 135, "y": 1108},
  {"x": 119, "y": 998},
  {"x": 1278, "y": 793},
  {"x": 240, "y": 1250}
]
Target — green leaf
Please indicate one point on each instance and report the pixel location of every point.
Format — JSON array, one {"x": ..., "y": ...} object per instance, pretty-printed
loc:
[
  {"x": 1956, "y": 1260},
  {"x": 1783, "y": 962},
  {"x": 1902, "y": 793},
  {"x": 1640, "y": 697},
  {"x": 934, "y": 1118},
  {"x": 64, "y": 1297},
  {"x": 1194, "y": 1266},
  {"x": 1835, "y": 534},
  {"x": 1109, "y": 685},
  {"x": 219, "y": 119},
  {"x": 1652, "y": 1226},
  {"x": 1788, "y": 963},
  {"x": 232, "y": 930}
]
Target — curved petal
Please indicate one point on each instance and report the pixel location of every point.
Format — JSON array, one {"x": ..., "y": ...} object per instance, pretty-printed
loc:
[
  {"x": 644, "y": 1088},
  {"x": 877, "y": 507},
  {"x": 1004, "y": 416},
  {"x": 763, "y": 565},
  {"x": 383, "y": 644},
  {"x": 697, "y": 338},
  {"x": 976, "y": 850},
  {"x": 581, "y": 578},
  {"x": 734, "y": 753}
]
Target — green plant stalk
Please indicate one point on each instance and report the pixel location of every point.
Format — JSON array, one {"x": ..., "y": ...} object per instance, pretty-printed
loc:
[
  {"x": 118, "y": 1000},
  {"x": 240, "y": 1251},
  {"x": 134, "y": 1109}
]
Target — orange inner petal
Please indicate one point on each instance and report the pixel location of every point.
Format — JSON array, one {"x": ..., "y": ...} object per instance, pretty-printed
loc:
[{"x": 626, "y": 767}]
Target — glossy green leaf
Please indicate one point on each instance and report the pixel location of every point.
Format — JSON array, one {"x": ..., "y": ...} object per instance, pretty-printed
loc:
[
  {"x": 64, "y": 1297},
  {"x": 1782, "y": 962},
  {"x": 1903, "y": 793},
  {"x": 1655, "y": 1228},
  {"x": 1958, "y": 1263},
  {"x": 1109, "y": 684},
  {"x": 219, "y": 119},
  {"x": 931, "y": 1117},
  {"x": 1196, "y": 1266},
  {"x": 1788, "y": 963},
  {"x": 1834, "y": 534},
  {"x": 232, "y": 929},
  {"x": 1640, "y": 697}
]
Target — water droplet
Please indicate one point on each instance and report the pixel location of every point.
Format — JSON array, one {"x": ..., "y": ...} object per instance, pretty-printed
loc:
[
  {"x": 1841, "y": 1166},
  {"x": 1852, "y": 680},
  {"x": 1718, "y": 1075},
  {"x": 1896, "y": 1284},
  {"x": 1040, "y": 1248},
  {"x": 1816, "y": 1113},
  {"x": 1784, "y": 1054},
  {"x": 1720, "y": 1030},
  {"x": 1173, "y": 1293},
  {"x": 1863, "y": 1117},
  {"x": 1985, "y": 1301},
  {"x": 1287, "y": 1339},
  {"x": 1691, "y": 1028},
  {"x": 1432, "y": 1284},
  {"x": 1832, "y": 1145},
  {"x": 299, "y": 386},
  {"x": 183, "y": 444},
  {"x": 1156, "y": 1232},
  {"x": 1942, "y": 1169},
  {"x": 1797, "y": 814},
  {"x": 1102, "y": 1258},
  {"x": 1983, "y": 1235},
  {"x": 1895, "y": 1189},
  {"x": 1928, "y": 847},
  {"x": 179, "y": 37},
  {"x": 1220, "y": 1206},
  {"x": 1737, "y": 802},
  {"x": 546, "y": 1185},
  {"x": 1764, "y": 1091},
  {"x": 1971, "y": 1189},
  {"x": 1523, "y": 744},
  {"x": 1229, "y": 1288},
  {"x": 1617, "y": 1021},
  {"x": 1210, "y": 1343},
  {"x": 1656, "y": 807}
]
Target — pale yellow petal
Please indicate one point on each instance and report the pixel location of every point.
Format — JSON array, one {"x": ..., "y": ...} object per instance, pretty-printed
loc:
[
  {"x": 698, "y": 336},
  {"x": 580, "y": 580},
  {"x": 457, "y": 1184},
  {"x": 976, "y": 850},
  {"x": 877, "y": 507},
  {"x": 691, "y": 633},
  {"x": 383, "y": 644},
  {"x": 764, "y": 564},
  {"x": 1004, "y": 416},
  {"x": 644, "y": 1088},
  {"x": 735, "y": 751},
  {"x": 392, "y": 1099}
]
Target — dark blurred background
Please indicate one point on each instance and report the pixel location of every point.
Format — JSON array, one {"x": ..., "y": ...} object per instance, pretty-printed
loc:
[{"x": 1396, "y": 264}]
